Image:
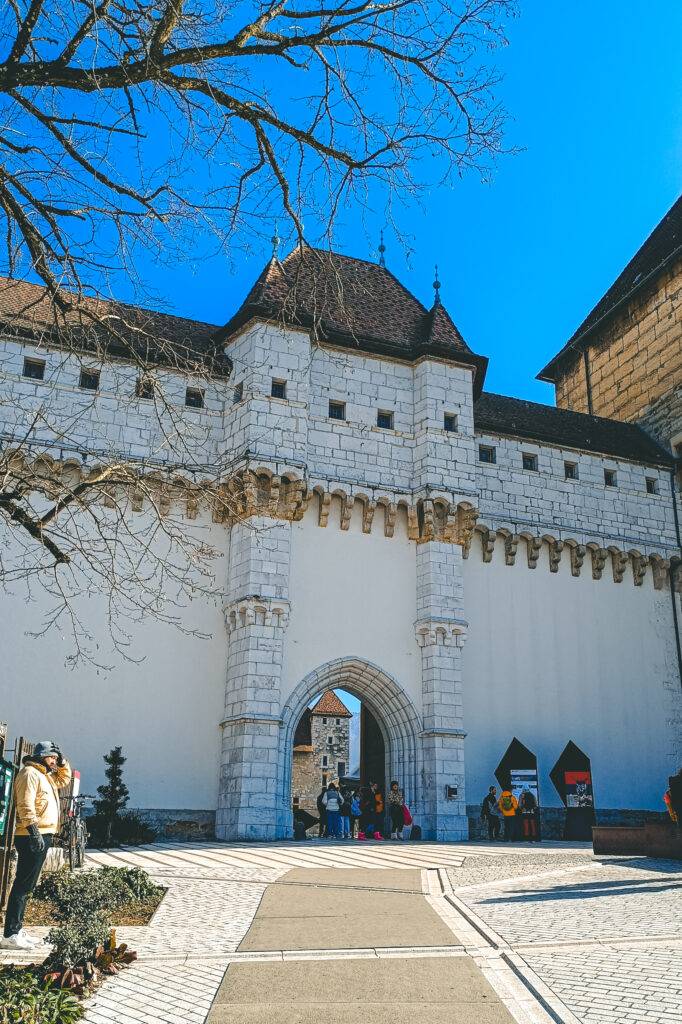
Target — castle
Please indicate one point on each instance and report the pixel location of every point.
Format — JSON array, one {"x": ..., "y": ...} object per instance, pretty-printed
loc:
[{"x": 493, "y": 578}]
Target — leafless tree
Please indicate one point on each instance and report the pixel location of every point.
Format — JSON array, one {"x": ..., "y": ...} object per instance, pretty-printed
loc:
[{"x": 295, "y": 108}]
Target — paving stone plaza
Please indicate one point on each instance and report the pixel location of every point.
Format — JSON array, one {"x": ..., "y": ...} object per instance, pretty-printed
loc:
[{"x": 294, "y": 932}]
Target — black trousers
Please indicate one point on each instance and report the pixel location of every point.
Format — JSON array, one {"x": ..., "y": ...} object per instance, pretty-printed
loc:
[
  {"x": 397, "y": 817},
  {"x": 493, "y": 826},
  {"x": 29, "y": 867}
]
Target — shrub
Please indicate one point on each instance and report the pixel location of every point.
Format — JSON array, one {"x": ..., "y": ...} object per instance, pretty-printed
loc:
[
  {"x": 127, "y": 829},
  {"x": 77, "y": 896},
  {"x": 75, "y": 942},
  {"x": 26, "y": 999}
]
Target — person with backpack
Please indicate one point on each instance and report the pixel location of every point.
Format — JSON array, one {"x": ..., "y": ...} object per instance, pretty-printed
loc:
[
  {"x": 528, "y": 808},
  {"x": 345, "y": 814},
  {"x": 333, "y": 802},
  {"x": 354, "y": 813},
  {"x": 490, "y": 813},
  {"x": 367, "y": 815},
  {"x": 396, "y": 805},
  {"x": 508, "y": 805}
]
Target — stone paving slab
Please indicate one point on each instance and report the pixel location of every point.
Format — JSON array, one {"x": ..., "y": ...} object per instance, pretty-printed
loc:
[
  {"x": 434, "y": 991},
  {"x": 335, "y": 915}
]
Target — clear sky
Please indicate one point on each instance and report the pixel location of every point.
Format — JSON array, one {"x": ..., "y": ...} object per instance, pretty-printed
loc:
[{"x": 595, "y": 91}]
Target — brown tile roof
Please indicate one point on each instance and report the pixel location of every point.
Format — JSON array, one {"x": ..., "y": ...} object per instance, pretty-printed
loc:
[
  {"x": 27, "y": 310},
  {"x": 355, "y": 304},
  {"x": 663, "y": 244},
  {"x": 514, "y": 417},
  {"x": 331, "y": 705}
]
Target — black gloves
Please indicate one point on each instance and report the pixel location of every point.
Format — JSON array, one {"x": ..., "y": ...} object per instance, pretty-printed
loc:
[
  {"x": 61, "y": 760},
  {"x": 36, "y": 843}
]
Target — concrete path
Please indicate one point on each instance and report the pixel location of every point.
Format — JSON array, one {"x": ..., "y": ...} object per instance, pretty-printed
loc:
[{"x": 345, "y": 911}]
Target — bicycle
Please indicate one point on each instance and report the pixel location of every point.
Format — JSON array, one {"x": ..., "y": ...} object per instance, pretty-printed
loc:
[{"x": 73, "y": 835}]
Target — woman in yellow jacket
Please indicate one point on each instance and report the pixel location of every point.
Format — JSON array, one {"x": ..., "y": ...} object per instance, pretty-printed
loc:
[
  {"x": 508, "y": 805},
  {"x": 36, "y": 796}
]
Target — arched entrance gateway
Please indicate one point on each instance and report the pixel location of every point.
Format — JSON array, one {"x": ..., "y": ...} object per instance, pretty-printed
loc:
[{"x": 389, "y": 707}]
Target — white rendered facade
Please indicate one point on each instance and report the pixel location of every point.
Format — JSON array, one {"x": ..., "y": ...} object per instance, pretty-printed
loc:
[{"x": 466, "y": 603}]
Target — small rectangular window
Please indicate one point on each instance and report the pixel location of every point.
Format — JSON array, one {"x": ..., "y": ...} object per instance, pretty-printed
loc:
[
  {"x": 385, "y": 419},
  {"x": 238, "y": 392},
  {"x": 342, "y": 769},
  {"x": 610, "y": 478},
  {"x": 279, "y": 389},
  {"x": 486, "y": 453},
  {"x": 194, "y": 398},
  {"x": 324, "y": 761},
  {"x": 89, "y": 380},
  {"x": 324, "y": 721},
  {"x": 450, "y": 422},
  {"x": 144, "y": 388},
  {"x": 570, "y": 470},
  {"x": 530, "y": 462},
  {"x": 34, "y": 369},
  {"x": 337, "y": 410},
  {"x": 324, "y": 779},
  {"x": 651, "y": 485},
  {"x": 330, "y": 740},
  {"x": 338, "y": 721}
]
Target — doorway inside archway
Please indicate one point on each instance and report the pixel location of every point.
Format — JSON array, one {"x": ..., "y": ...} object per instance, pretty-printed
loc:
[{"x": 337, "y": 740}]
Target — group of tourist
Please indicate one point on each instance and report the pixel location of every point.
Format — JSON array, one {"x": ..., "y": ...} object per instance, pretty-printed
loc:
[
  {"x": 361, "y": 813},
  {"x": 520, "y": 816}
]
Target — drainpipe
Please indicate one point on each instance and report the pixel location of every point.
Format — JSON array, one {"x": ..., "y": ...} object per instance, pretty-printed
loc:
[
  {"x": 672, "y": 575},
  {"x": 588, "y": 381}
]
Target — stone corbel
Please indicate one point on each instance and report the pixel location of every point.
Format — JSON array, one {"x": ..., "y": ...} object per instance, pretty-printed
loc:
[
  {"x": 192, "y": 505},
  {"x": 347, "y": 502},
  {"x": 555, "y": 549},
  {"x": 368, "y": 510},
  {"x": 257, "y": 611},
  {"x": 441, "y": 632},
  {"x": 273, "y": 500},
  {"x": 659, "y": 568},
  {"x": 428, "y": 531},
  {"x": 466, "y": 523},
  {"x": 412, "y": 523},
  {"x": 325, "y": 505},
  {"x": 577, "y": 554},
  {"x": 534, "y": 547},
  {"x": 619, "y": 561},
  {"x": 511, "y": 543},
  {"x": 390, "y": 512},
  {"x": 488, "y": 539},
  {"x": 599, "y": 556},
  {"x": 639, "y": 567}
]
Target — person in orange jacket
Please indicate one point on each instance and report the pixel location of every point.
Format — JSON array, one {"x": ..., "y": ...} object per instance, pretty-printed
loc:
[{"x": 508, "y": 805}]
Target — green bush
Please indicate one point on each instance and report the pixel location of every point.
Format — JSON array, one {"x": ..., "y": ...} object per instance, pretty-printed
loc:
[
  {"x": 75, "y": 942},
  {"x": 26, "y": 999},
  {"x": 79, "y": 895}
]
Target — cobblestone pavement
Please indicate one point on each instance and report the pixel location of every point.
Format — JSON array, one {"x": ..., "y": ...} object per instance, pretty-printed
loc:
[{"x": 562, "y": 937}]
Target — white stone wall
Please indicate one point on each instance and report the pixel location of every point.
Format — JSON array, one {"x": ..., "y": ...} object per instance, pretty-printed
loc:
[
  {"x": 552, "y": 658},
  {"x": 584, "y": 509}
]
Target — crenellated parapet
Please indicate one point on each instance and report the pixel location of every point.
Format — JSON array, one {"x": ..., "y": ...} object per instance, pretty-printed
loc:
[{"x": 491, "y": 541}]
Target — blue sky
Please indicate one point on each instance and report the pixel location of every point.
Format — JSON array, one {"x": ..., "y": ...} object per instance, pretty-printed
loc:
[{"x": 595, "y": 92}]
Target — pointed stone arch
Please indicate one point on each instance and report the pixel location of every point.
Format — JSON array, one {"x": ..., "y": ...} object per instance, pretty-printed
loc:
[{"x": 393, "y": 710}]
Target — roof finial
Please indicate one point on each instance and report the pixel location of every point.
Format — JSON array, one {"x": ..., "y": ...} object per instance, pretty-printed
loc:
[
  {"x": 275, "y": 243},
  {"x": 382, "y": 250},
  {"x": 436, "y": 288}
]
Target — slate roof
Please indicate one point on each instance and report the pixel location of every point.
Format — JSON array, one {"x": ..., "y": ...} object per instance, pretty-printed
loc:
[
  {"x": 27, "y": 310},
  {"x": 663, "y": 244},
  {"x": 562, "y": 428},
  {"x": 331, "y": 705},
  {"x": 355, "y": 304}
]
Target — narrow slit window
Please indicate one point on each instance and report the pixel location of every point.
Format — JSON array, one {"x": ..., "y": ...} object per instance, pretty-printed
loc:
[
  {"x": 385, "y": 419},
  {"x": 34, "y": 369},
  {"x": 89, "y": 379},
  {"x": 238, "y": 393},
  {"x": 337, "y": 410},
  {"x": 279, "y": 389},
  {"x": 194, "y": 398},
  {"x": 486, "y": 453}
]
